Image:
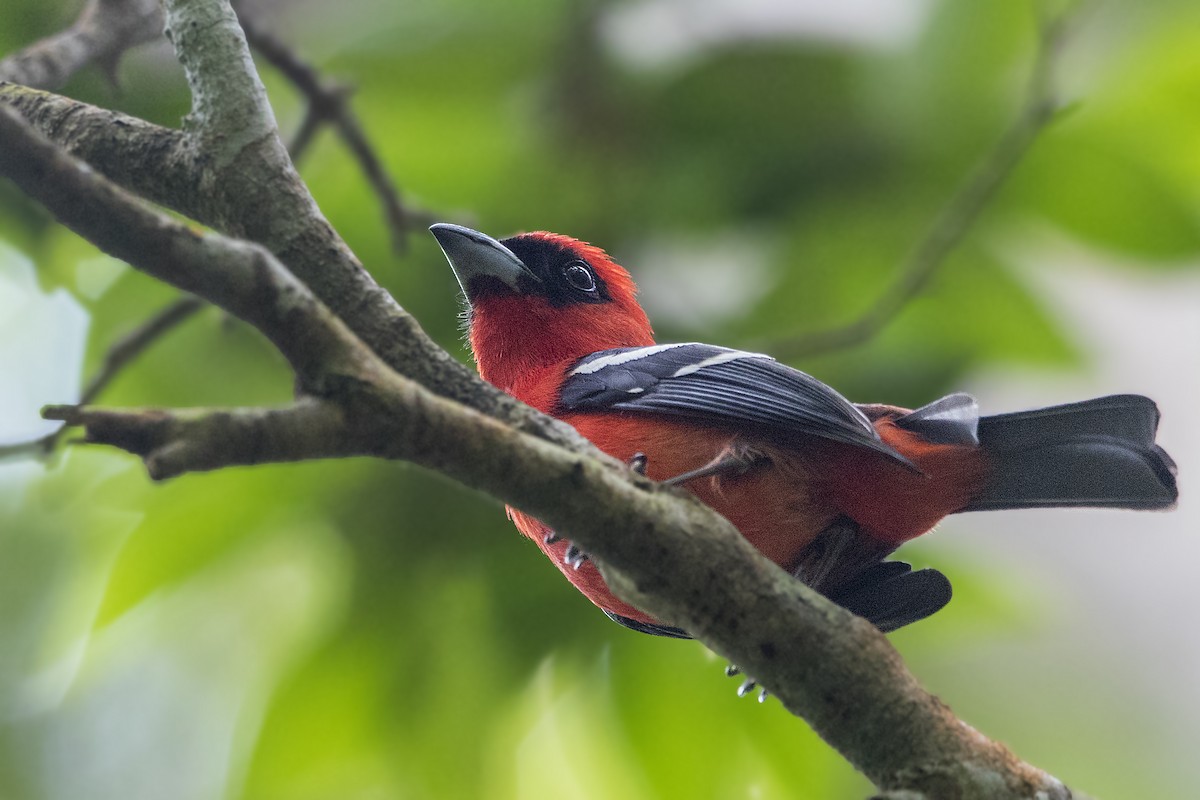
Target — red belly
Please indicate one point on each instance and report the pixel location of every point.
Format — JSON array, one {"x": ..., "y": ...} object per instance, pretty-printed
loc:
[{"x": 782, "y": 505}]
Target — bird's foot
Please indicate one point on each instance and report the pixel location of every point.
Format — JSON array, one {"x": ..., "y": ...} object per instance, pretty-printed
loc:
[
  {"x": 573, "y": 557},
  {"x": 747, "y": 685},
  {"x": 638, "y": 462},
  {"x": 732, "y": 461}
]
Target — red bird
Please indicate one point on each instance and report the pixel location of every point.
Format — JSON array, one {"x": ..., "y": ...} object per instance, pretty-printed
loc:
[{"x": 823, "y": 487}]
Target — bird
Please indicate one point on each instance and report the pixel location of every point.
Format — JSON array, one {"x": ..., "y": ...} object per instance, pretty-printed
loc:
[{"x": 825, "y": 488}]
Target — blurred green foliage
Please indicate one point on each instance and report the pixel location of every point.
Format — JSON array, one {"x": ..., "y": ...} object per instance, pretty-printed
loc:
[{"x": 367, "y": 630}]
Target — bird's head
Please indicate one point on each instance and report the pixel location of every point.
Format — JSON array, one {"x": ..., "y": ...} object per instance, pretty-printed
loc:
[{"x": 537, "y": 299}]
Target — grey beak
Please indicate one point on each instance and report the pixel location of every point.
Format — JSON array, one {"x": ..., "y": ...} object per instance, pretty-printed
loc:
[{"x": 474, "y": 255}]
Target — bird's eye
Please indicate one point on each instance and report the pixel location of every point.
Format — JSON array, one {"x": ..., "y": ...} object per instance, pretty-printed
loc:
[{"x": 579, "y": 276}]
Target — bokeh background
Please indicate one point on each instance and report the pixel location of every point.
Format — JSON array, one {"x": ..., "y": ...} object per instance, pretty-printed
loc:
[{"x": 357, "y": 629}]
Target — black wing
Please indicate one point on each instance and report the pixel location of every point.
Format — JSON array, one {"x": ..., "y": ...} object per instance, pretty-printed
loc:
[
  {"x": 891, "y": 594},
  {"x": 717, "y": 385},
  {"x": 651, "y": 628}
]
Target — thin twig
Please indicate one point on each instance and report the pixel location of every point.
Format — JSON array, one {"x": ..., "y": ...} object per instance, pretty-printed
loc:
[
  {"x": 956, "y": 219},
  {"x": 104, "y": 30},
  {"x": 120, "y": 354},
  {"x": 328, "y": 102},
  {"x": 304, "y": 135},
  {"x": 137, "y": 341}
]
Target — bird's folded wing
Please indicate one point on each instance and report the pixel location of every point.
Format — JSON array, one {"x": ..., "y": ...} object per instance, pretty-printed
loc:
[{"x": 719, "y": 386}]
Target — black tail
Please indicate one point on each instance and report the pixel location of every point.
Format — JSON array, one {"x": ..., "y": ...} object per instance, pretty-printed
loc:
[{"x": 1097, "y": 453}]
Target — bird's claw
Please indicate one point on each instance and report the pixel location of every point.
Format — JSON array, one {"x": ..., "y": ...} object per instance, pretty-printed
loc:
[
  {"x": 574, "y": 557},
  {"x": 747, "y": 685},
  {"x": 638, "y": 463}
]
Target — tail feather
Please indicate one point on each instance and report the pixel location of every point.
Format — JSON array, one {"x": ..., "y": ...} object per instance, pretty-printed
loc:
[
  {"x": 891, "y": 595},
  {"x": 1098, "y": 453}
]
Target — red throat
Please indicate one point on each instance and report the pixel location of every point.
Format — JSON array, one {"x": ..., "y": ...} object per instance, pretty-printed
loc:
[{"x": 514, "y": 336}]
